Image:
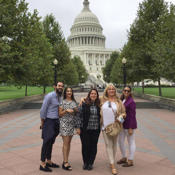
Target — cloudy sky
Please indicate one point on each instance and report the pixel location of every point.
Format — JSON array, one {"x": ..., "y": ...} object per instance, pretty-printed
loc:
[{"x": 115, "y": 16}]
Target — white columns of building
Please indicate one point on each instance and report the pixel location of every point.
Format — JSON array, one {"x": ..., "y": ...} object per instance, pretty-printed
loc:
[
  {"x": 103, "y": 60},
  {"x": 95, "y": 41}
]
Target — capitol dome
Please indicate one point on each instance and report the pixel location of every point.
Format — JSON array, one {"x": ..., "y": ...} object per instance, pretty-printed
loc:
[
  {"x": 86, "y": 29},
  {"x": 88, "y": 42},
  {"x": 86, "y": 15}
]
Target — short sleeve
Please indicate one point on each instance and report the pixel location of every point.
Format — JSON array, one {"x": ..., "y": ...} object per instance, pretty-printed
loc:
[{"x": 74, "y": 104}]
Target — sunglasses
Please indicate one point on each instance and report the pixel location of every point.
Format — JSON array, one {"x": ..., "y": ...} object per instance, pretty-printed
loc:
[
  {"x": 126, "y": 90},
  {"x": 109, "y": 104}
]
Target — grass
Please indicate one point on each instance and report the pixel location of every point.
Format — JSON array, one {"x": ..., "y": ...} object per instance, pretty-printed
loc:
[
  {"x": 12, "y": 92},
  {"x": 168, "y": 92}
]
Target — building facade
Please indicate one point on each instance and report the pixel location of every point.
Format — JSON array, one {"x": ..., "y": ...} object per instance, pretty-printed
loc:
[{"x": 88, "y": 42}]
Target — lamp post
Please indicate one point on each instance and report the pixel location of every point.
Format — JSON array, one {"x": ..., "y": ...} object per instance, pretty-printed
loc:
[
  {"x": 55, "y": 62},
  {"x": 124, "y": 60},
  {"x": 82, "y": 79}
]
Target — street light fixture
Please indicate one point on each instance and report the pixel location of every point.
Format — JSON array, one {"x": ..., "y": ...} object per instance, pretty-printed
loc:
[
  {"x": 124, "y": 60},
  {"x": 82, "y": 79},
  {"x": 55, "y": 62}
]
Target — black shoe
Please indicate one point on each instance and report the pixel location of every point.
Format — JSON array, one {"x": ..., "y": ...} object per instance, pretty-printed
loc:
[
  {"x": 90, "y": 167},
  {"x": 122, "y": 160},
  {"x": 46, "y": 169},
  {"x": 85, "y": 166},
  {"x": 128, "y": 164},
  {"x": 53, "y": 165}
]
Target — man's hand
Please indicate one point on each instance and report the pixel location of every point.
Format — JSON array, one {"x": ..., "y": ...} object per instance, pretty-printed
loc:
[{"x": 42, "y": 124}]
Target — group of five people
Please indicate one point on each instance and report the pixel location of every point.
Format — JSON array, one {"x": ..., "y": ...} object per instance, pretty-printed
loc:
[{"x": 62, "y": 115}]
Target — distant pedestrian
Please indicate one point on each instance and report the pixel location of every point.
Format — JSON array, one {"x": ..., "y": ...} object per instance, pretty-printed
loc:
[
  {"x": 50, "y": 126},
  {"x": 68, "y": 120},
  {"x": 129, "y": 126},
  {"x": 90, "y": 128},
  {"x": 111, "y": 108}
]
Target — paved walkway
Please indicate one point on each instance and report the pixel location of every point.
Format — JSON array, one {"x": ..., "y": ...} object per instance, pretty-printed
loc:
[{"x": 20, "y": 145}]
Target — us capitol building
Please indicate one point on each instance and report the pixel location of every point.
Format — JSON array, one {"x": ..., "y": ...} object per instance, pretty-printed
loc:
[{"x": 88, "y": 42}]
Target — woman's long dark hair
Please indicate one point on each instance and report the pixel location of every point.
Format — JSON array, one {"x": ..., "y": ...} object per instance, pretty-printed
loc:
[
  {"x": 88, "y": 99},
  {"x": 64, "y": 95},
  {"x": 122, "y": 96}
]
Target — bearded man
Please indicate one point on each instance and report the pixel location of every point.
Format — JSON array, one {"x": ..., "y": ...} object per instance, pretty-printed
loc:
[{"x": 50, "y": 126}]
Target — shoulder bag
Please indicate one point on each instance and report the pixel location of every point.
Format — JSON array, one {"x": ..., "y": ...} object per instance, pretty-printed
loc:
[{"x": 113, "y": 129}]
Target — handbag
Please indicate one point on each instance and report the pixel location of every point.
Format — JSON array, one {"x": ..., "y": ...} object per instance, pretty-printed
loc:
[{"x": 113, "y": 129}]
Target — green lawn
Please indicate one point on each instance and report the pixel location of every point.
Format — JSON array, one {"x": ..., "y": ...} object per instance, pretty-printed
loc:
[
  {"x": 12, "y": 92},
  {"x": 166, "y": 92}
]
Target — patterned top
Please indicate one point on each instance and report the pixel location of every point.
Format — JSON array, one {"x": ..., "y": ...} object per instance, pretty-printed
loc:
[
  {"x": 93, "y": 119},
  {"x": 93, "y": 122},
  {"x": 68, "y": 121}
]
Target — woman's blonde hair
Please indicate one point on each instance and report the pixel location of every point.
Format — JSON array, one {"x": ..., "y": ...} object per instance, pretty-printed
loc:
[{"x": 105, "y": 93}]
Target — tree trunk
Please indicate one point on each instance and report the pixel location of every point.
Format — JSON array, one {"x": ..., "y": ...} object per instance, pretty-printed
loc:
[
  {"x": 26, "y": 90},
  {"x": 44, "y": 89},
  {"x": 143, "y": 86},
  {"x": 160, "y": 90}
]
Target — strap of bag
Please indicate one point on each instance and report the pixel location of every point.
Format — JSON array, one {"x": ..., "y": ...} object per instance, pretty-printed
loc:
[
  {"x": 114, "y": 113},
  {"x": 116, "y": 117}
]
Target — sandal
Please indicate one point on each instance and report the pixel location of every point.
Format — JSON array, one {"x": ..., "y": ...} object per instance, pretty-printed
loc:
[
  {"x": 114, "y": 171},
  {"x": 68, "y": 167},
  {"x": 123, "y": 160}
]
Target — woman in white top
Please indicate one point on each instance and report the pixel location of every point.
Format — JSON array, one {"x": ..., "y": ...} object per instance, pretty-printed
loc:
[{"x": 111, "y": 106}]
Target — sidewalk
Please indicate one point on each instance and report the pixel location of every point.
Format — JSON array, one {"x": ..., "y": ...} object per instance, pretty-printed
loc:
[{"x": 20, "y": 145}]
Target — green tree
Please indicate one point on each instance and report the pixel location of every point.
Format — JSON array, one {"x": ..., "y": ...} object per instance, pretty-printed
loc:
[
  {"x": 116, "y": 72},
  {"x": 42, "y": 63},
  {"x": 5, "y": 60},
  {"x": 33, "y": 51},
  {"x": 164, "y": 47},
  {"x": 12, "y": 16},
  {"x": 80, "y": 68},
  {"x": 108, "y": 67},
  {"x": 52, "y": 29},
  {"x": 61, "y": 51},
  {"x": 116, "y": 75},
  {"x": 69, "y": 76},
  {"x": 26, "y": 52},
  {"x": 142, "y": 36}
]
